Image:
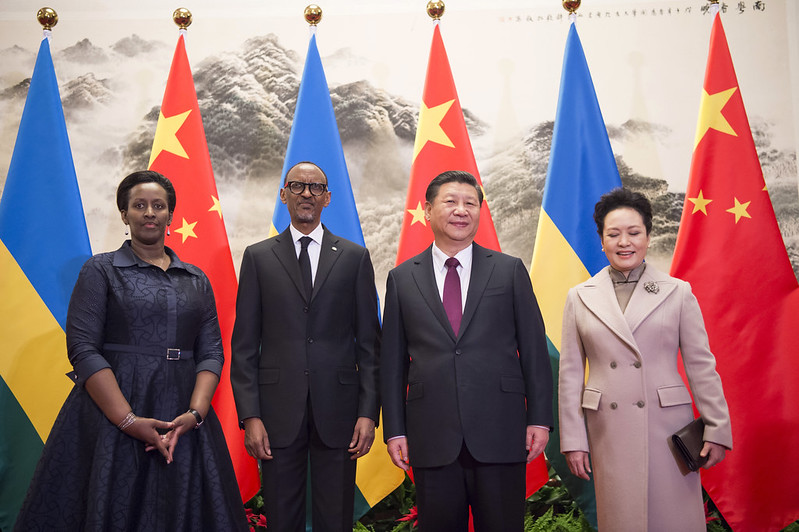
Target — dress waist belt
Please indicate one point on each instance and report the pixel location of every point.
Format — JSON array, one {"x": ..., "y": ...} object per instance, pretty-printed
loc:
[{"x": 170, "y": 353}]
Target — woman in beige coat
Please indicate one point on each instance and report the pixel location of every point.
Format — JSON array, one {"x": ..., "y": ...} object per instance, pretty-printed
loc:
[{"x": 627, "y": 323}]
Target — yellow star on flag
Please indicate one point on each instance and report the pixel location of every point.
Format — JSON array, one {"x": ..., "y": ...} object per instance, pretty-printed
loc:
[
  {"x": 429, "y": 128},
  {"x": 710, "y": 116},
  {"x": 699, "y": 203},
  {"x": 418, "y": 214},
  {"x": 166, "y": 138},
  {"x": 216, "y": 207},
  {"x": 739, "y": 210},
  {"x": 186, "y": 230}
]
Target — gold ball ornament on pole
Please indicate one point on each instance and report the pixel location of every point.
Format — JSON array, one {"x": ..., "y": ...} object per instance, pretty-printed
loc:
[
  {"x": 435, "y": 9},
  {"x": 313, "y": 14},
  {"x": 47, "y": 17},
  {"x": 571, "y": 5},
  {"x": 182, "y": 18}
]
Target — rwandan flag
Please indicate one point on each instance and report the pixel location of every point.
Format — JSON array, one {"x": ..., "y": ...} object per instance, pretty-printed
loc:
[
  {"x": 567, "y": 247},
  {"x": 315, "y": 138},
  {"x": 43, "y": 244}
]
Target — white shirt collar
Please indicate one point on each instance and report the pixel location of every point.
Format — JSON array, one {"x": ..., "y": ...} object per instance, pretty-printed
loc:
[
  {"x": 464, "y": 256},
  {"x": 316, "y": 234}
]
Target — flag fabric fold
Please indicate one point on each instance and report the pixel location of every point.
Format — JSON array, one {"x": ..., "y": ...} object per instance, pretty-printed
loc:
[
  {"x": 315, "y": 138},
  {"x": 43, "y": 244},
  {"x": 567, "y": 248},
  {"x": 198, "y": 235},
  {"x": 442, "y": 143},
  {"x": 730, "y": 249}
]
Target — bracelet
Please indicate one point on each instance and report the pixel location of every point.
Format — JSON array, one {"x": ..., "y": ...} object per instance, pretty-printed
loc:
[
  {"x": 197, "y": 417},
  {"x": 127, "y": 421}
]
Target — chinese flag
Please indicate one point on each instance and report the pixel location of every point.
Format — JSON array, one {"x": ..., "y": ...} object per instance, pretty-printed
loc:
[
  {"x": 730, "y": 249},
  {"x": 198, "y": 232},
  {"x": 442, "y": 143}
]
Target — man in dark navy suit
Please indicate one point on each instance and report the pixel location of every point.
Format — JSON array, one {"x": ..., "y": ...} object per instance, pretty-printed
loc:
[
  {"x": 304, "y": 367},
  {"x": 466, "y": 381}
]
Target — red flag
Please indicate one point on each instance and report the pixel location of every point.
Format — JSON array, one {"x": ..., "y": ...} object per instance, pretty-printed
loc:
[
  {"x": 442, "y": 143},
  {"x": 180, "y": 152},
  {"x": 730, "y": 249}
]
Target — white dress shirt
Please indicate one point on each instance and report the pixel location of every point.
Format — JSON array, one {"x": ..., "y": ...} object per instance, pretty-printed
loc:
[
  {"x": 314, "y": 247},
  {"x": 464, "y": 256}
]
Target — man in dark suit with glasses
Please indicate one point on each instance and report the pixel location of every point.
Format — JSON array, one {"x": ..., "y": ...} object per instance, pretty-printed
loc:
[{"x": 304, "y": 366}]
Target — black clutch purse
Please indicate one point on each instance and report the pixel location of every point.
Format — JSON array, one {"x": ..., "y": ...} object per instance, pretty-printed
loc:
[{"x": 689, "y": 441}]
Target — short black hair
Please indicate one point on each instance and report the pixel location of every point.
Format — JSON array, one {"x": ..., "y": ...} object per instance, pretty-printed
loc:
[
  {"x": 286, "y": 177},
  {"x": 620, "y": 198},
  {"x": 452, "y": 176},
  {"x": 145, "y": 176}
]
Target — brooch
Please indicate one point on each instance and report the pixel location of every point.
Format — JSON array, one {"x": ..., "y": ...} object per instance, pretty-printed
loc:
[{"x": 651, "y": 287}]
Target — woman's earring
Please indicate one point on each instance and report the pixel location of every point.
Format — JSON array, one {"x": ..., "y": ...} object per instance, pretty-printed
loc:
[{"x": 167, "y": 231}]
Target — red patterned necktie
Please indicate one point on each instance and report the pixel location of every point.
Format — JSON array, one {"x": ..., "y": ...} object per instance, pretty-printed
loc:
[{"x": 453, "y": 305}]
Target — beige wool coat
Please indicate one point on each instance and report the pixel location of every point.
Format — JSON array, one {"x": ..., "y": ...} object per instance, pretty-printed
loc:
[{"x": 635, "y": 398}]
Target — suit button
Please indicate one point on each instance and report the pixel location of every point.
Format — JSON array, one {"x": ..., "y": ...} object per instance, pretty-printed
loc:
[
  {"x": 310, "y": 340},
  {"x": 613, "y": 365},
  {"x": 637, "y": 364},
  {"x": 457, "y": 351},
  {"x": 305, "y": 310},
  {"x": 613, "y": 406},
  {"x": 307, "y": 372},
  {"x": 640, "y": 404}
]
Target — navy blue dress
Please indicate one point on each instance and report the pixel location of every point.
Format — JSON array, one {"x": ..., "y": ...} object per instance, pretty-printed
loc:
[{"x": 125, "y": 314}]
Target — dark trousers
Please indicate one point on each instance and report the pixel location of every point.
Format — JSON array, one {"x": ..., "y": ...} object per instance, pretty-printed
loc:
[
  {"x": 332, "y": 484},
  {"x": 495, "y": 493}
]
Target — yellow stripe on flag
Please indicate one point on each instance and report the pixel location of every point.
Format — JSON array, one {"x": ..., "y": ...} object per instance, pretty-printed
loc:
[
  {"x": 554, "y": 270},
  {"x": 36, "y": 375},
  {"x": 372, "y": 477}
]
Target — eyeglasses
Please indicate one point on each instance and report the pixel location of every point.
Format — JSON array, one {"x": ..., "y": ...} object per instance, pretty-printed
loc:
[{"x": 298, "y": 187}]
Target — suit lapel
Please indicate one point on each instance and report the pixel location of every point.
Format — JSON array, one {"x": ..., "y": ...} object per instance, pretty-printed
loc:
[
  {"x": 645, "y": 300},
  {"x": 328, "y": 256},
  {"x": 286, "y": 254},
  {"x": 482, "y": 267},
  {"x": 598, "y": 295},
  {"x": 426, "y": 283}
]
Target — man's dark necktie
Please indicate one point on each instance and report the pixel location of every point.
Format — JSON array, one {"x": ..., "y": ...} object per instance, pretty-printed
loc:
[
  {"x": 305, "y": 266},
  {"x": 452, "y": 294}
]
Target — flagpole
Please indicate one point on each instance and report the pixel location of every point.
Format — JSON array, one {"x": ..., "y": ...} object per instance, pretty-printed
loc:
[
  {"x": 435, "y": 10},
  {"x": 313, "y": 16},
  {"x": 48, "y": 18},
  {"x": 182, "y": 18},
  {"x": 572, "y": 6}
]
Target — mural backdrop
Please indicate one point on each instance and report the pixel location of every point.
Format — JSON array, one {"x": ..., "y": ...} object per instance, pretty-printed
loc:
[{"x": 647, "y": 59}]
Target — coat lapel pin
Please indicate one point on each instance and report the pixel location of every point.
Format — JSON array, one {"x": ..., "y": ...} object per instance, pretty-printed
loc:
[
  {"x": 651, "y": 287},
  {"x": 334, "y": 248}
]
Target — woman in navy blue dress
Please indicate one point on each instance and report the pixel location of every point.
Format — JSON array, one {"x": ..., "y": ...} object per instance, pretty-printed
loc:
[{"x": 137, "y": 445}]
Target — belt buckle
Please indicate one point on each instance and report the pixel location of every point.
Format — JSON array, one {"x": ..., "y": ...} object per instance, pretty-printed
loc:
[{"x": 172, "y": 354}]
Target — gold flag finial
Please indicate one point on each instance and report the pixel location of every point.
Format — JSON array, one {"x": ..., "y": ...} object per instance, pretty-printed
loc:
[
  {"x": 571, "y": 5},
  {"x": 313, "y": 14},
  {"x": 435, "y": 9},
  {"x": 47, "y": 17},
  {"x": 182, "y": 17}
]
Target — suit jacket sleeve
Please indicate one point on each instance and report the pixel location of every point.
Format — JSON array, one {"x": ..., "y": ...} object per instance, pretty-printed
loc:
[
  {"x": 246, "y": 340},
  {"x": 571, "y": 378},
  {"x": 367, "y": 339},
  {"x": 533, "y": 352},
  {"x": 393, "y": 364},
  {"x": 700, "y": 368}
]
